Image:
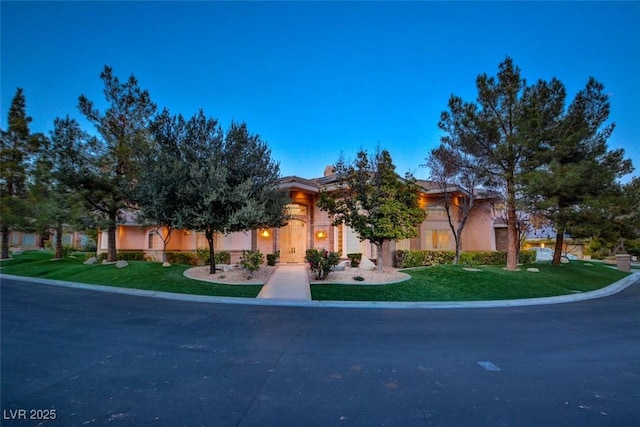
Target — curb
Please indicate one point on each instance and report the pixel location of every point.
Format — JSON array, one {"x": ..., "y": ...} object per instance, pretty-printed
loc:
[{"x": 612, "y": 289}]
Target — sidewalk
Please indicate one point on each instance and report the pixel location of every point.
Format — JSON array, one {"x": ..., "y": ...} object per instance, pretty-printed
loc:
[{"x": 288, "y": 282}]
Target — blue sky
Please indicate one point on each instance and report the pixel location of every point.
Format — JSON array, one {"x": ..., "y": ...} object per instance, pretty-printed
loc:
[{"x": 317, "y": 78}]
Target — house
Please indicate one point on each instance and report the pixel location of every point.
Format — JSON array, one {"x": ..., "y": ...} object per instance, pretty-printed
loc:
[{"x": 309, "y": 227}]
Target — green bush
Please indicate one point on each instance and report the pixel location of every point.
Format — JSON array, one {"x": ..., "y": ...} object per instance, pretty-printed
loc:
[
  {"x": 271, "y": 259},
  {"x": 222, "y": 257},
  {"x": 355, "y": 259},
  {"x": 407, "y": 259},
  {"x": 250, "y": 261},
  {"x": 186, "y": 258},
  {"x": 321, "y": 262},
  {"x": 130, "y": 255}
]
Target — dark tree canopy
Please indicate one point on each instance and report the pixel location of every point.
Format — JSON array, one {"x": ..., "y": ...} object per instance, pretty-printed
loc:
[
  {"x": 17, "y": 148},
  {"x": 373, "y": 200},
  {"x": 106, "y": 169},
  {"x": 218, "y": 183},
  {"x": 574, "y": 167}
]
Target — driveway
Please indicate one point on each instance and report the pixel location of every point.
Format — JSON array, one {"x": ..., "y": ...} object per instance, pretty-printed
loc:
[{"x": 111, "y": 359}]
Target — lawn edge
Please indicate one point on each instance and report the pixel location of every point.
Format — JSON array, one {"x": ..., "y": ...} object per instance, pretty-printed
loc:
[{"x": 609, "y": 290}]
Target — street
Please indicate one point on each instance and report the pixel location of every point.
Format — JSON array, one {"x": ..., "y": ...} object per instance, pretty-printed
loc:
[{"x": 96, "y": 358}]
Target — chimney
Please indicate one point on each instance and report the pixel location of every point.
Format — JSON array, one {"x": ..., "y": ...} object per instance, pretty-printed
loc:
[{"x": 329, "y": 170}]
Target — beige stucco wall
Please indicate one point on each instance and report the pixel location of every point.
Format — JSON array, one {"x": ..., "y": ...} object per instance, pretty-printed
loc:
[{"x": 478, "y": 233}]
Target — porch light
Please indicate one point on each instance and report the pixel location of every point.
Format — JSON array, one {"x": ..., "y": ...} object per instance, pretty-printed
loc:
[
  {"x": 321, "y": 234},
  {"x": 264, "y": 233}
]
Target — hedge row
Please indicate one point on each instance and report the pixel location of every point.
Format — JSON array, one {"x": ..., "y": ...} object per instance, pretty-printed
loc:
[{"x": 407, "y": 259}]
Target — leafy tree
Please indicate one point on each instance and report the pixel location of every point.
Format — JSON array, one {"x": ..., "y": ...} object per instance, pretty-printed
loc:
[
  {"x": 457, "y": 176},
  {"x": 501, "y": 130},
  {"x": 373, "y": 200},
  {"x": 224, "y": 183},
  {"x": 106, "y": 170},
  {"x": 158, "y": 194},
  {"x": 16, "y": 154},
  {"x": 575, "y": 167}
]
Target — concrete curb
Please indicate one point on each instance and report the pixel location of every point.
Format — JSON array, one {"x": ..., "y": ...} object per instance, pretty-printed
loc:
[{"x": 612, "y": 289}]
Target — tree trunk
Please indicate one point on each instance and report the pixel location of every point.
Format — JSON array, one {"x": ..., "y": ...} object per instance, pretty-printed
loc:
[
  {"x": 557, "y": 253},
  {"x": 380, "y": 257},
  {"x": 512, "y": 231},
  {"x": 212, "y": 256},
  {"x": 5, "y": 242},
  {"x": 456, "y": 258},
  {"x": 58, "y": 253},
  {"x": 112, "y": 255}
]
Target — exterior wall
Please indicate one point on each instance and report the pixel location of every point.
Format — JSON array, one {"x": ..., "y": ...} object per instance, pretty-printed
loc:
[
  {"x": 479, "y": 233},
  {"x": 317, "y": 232}
]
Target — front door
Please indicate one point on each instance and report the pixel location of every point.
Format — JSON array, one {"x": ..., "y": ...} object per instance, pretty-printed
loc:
[{"x": 293, "y": 241}]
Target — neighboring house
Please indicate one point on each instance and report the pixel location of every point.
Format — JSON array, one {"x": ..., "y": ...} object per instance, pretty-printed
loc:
[
  {"x": 309, "y": 227},
  {"x": 26, "y": 241}
]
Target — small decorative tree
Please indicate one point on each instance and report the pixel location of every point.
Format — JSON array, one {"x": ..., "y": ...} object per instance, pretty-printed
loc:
[
  {"x": 251, "y": 261},
  {"x": 321, "y": 262}
]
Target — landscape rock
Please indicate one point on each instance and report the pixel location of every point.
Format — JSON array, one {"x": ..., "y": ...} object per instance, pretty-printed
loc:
[
  {"x": 367, "y": 264},
  {"x": 564, "y": 260},
  {"x": 122, "y": 264},
  {"x": 341, "y": 266},
  {"x": 471, "y": 269},
  {"x": 533, "y": 270},
  {"x": 91, "y": 261},
  {"x": 166, "y": 264}
]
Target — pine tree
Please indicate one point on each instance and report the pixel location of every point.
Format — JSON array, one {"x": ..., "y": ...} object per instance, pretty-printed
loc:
[{"x": 16, "y": 151}]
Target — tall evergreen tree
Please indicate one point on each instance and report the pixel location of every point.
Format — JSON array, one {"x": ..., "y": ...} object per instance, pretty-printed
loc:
[
  {"x": 574, "y": 167},
  {"x": 373, "y": 200},
  {"x": 59, "y": 206},
  {"x": 106, "y": 169},
  {"x": 16, "y": 154},
  {"x": 497, "y": 130}
]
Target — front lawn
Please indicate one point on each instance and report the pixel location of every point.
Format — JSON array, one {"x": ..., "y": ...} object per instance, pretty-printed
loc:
[
  {"x": 438, "y": 283},
  {"x": 138, "y": 275},
  {"x": 452, "y": 283}
]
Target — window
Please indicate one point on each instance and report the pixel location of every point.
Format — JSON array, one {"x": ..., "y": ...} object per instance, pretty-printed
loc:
[
  {"x": 152, "y": 239},
  {"x": 436, "y": 211},
  {"x": 439, "y": 239}
]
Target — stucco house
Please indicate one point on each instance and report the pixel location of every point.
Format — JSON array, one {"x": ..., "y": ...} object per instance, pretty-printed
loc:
[{"x": 309, "y": 227}]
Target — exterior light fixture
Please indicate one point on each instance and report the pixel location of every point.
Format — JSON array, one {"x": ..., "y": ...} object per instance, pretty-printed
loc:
[
  {"x": 264, "y": 233},
  {"x": 321, "y": 234}
]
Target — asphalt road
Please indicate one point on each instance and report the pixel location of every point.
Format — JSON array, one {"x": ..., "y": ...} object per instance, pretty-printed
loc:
[{"x": 93, "y": 358}]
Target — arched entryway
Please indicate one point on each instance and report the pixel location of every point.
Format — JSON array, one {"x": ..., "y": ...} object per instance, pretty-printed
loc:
[{"x": 293, "y": 241}]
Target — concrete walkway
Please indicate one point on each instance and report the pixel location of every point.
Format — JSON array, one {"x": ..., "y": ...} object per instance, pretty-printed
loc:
[{"x": 287, "y": 282}]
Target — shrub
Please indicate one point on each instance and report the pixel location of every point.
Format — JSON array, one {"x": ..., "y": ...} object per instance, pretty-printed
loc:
[
  {"x": 407, "y": 259},
  {"x": 271, "y": 259},
  {"x": 222, "y": 257},
  {"x": 355, "y": 259},
  {"x": 130, "y": 255},
  {"x": 250, "y": 261},
  {"x": 321, "y": 262},
  {"x": 187, "y": 258}
]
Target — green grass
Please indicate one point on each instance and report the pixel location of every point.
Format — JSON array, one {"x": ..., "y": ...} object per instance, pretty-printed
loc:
[
  {"x": 439, "y": 283},
  {"x": 452, "y": 283},
  {"x": 138, "y": 275}
]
